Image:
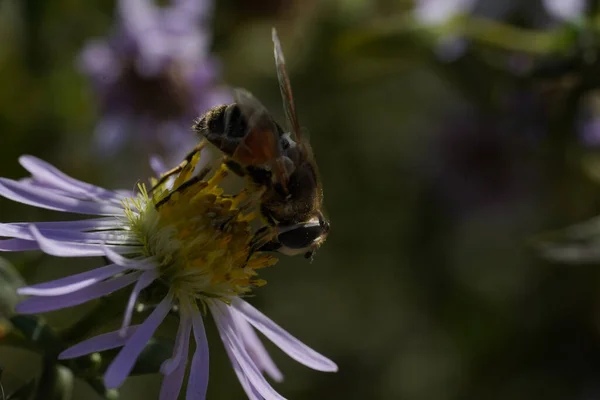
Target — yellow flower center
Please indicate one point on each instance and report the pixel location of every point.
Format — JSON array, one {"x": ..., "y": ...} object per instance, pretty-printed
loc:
[{"x": 199, "y": 236}]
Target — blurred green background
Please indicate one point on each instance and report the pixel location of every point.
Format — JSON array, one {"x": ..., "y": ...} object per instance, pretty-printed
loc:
[{"x": 441, "y": 163}]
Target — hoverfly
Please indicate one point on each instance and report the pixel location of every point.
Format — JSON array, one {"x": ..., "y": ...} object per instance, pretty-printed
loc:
[{"x": 280, "y": 161}]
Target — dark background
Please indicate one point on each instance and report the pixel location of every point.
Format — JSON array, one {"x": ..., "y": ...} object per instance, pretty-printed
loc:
[{"x": 441, "y": 173}]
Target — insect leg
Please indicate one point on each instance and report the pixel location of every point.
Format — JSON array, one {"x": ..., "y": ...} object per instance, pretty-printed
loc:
[
  {"x": 188, "y": 158},
  {"x": 264, "y": 239},
  {"x": 235, "y": 167},
  {"x": 270, "y": 246},
  {"x": 192, "y": 181}
]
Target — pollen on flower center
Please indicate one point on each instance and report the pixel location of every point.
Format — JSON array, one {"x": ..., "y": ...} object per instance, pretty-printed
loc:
[{"x": 199, "y": 236}]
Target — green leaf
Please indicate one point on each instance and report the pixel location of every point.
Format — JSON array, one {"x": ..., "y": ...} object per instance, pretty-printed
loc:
[{"x": 56, "y": 382}]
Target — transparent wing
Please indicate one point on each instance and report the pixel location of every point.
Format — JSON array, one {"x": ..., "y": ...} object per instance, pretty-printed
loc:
[
  {"x": 286, "y": 88},
  {"x": 261, "y": 144},
  {"x": 261, "y": 141}
]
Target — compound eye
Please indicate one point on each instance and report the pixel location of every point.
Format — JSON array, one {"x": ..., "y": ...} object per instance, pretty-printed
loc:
[{"x": 300, "y": 237}]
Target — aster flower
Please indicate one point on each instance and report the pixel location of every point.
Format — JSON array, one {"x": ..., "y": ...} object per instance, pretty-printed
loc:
[
  {"x": 190, "y": 244},
  {"x": 153, "y": 75}
]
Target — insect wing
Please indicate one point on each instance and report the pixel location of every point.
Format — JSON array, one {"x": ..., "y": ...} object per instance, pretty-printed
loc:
[
  {"x": 290, "y": 108},
  {"x": 285, "y": 87},
  {"x": 261, "y": 144},
  {"x": 261, "y": 141}
]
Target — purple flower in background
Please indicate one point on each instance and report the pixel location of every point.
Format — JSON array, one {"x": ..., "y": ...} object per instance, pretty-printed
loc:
[
  {"x": 565, "y": 10},
  {"x": 190, "y": 244},
  {"x": 153, "y": 75},
  {"x": 435, "y": 13}
]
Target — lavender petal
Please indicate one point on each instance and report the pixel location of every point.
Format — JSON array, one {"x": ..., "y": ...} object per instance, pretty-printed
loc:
[
  {"x": 45, "y": 198},
  {"x": 185, "y": 327},
  {"x": 72, "y": 283},
  {"x": 90, "y": 224},
  {"x": 250, "y": 390},
  {"x": 34, "y": 305},
  {"x": 74, "y": 249},
  {"x": 254, "y": 346},
  {"x": 286, "y": 342},
  {"x": 171, "y": 385},
  {"x": 80, "y": 196},
  {"x": 174, "y": 368},
  {"x": 227, "y": 332},
  {"x": 18, "y": 245},
  {"x": 198, "y": 380},
  {"x": 22, "y": 231},
  {"x": 106, "y": 341},
  {"x": 143, "y": 282},
  {"x": 158, "y": 165},
  {"x": 142, "y": 264},
  {"x": 123, "y": 363},
  {"x": 125, "y": 192},
  {"x": 48, "y": 174}
]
